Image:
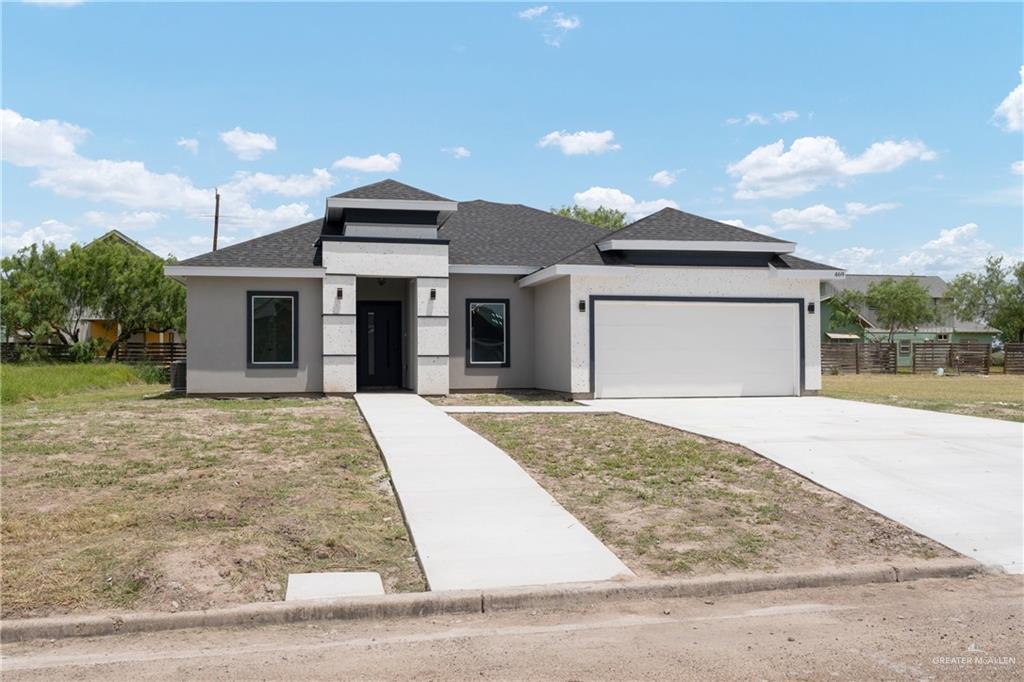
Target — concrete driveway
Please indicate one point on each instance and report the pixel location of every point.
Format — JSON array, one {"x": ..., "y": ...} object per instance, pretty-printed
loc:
[{"x": 956, "y": 479}]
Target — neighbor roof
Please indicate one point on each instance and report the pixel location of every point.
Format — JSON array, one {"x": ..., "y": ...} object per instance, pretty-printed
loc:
[
  {"x": 389, "y": 189},
  {"x": 486, "y": 233},
  {"x": 935, "y": 285},
  {"x": 672, "y": 224},
  {"x": 123, "y": 238}
]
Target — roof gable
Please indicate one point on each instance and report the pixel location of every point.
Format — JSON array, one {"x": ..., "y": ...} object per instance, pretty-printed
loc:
[
  {"x": 389, "y": 190},
  {"x": 671, "y": 224}
]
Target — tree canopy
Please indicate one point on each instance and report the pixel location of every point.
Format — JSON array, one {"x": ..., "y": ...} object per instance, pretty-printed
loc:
[
  {"x": 45, "y": 293},
  {"x": 994, "y": 297},
  {"x": 900, "y": 304},
  {"x": 600, "y": 216}
]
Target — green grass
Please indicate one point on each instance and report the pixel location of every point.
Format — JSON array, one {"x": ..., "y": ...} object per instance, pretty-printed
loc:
[
  {"x": 671, "y": 503},
  {"x": 21, "y": 382},
  {"x": 511, "y": 397},
  {"x": 998, "y": 396}
]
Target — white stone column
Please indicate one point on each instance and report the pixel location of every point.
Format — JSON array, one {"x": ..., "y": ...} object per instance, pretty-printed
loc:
[
  {"x": 431, "y": 336},
  {"x": 339, "y": 329}
]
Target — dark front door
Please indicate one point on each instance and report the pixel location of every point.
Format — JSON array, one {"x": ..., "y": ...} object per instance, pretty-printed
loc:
[{"x": 379, "y": 344}]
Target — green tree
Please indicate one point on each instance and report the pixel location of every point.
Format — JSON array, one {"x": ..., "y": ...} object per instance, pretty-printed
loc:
[
  {"x": 994, "y": 297},
  {"x": 900, "y": 304},
  {"x": 33, "y": 305},
  {"x": 601, "y": 216},
  {"x": 134, "y": 292},
  {"x": 846, "y": 307}
]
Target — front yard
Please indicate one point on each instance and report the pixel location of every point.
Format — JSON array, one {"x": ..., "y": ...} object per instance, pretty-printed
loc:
[
  {"x": 998, "y": 396},
  {"x": 671, "y": 503},
  {"x": 113, "y": 501},
  {"x": 525, "y": 397}
]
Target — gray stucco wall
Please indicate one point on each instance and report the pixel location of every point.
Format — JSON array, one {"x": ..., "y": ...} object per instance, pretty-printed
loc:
[
  {"x": 217, "y": 337},
  {"x": 552, "y": 310},
  {"x": 520, "y": 372}
]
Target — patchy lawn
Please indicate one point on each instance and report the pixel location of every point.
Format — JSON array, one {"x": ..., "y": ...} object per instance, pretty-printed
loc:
[
  {"x": 671, "y": 503},
  {"x": 32, "y": 381},
  {"x": 518, "y": 397},
  {"x": 999, "y": 396},
  {"x": 113, "y": 502}
]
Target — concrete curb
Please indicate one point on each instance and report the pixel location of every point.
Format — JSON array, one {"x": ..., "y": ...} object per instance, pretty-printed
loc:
[{"x": 565, "y": 596}]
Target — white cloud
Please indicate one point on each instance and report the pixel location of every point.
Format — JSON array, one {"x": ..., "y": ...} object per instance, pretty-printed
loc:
[
  {"x": 558, "y": 27},
  {"x": 533, "y": 12},
  {"x": 608, "y": 197},
  {"x": 139, "y": 220},
  {"x": 857, "y": 259},
  {"x": 822, "y": 217},
  {"x": 855, "y": 209},
  {"x": 49, "y": 147},
  {"x": 38, "y": 143},
  {"x": 810, "y": 162},
  {"x": 295, "y": 185},
  {"x": 955, "y": 250},
  {"x": 665, "y": 178},
  {"x": 1011, "y": 110},
  {"x": 810, "y": 219},
  {"x": 374, "y": 163},
  {"x": 246, "y": 145},
  {"x": 581, "y": 142},
  {"x": 754, "y": 118},
  {"x": 1017, "y": 167},
  {"x": 49, "y": 231},
  {"x": 785, "y": 116},
  {"x": 189, "y": 143},
  {"x": 459, "y": 152}
]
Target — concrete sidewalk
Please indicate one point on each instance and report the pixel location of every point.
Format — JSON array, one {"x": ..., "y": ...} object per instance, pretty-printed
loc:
[
  {"x": 477, "y": 518},
  {"x": 954, "y": 478}
]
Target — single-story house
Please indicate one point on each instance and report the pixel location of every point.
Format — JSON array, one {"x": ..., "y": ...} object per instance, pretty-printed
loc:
[
  {"x": 399, "y": 288},
  {"x": 867, "y": 327}
]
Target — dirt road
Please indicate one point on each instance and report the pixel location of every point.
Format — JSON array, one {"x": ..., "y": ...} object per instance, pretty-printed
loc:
[{"x": 935, "y": 629}]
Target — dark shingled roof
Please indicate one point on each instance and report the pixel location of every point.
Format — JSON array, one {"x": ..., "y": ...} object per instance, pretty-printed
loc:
[
  {"x": 486, "y": 233},
  {"x": 294, "y": 247},
  {"x": 389, "y": 189},
  {"x": 672, "y": 224}
]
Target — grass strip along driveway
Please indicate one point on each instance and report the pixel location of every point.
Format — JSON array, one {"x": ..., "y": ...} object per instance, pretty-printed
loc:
[
  {"x": 115, "y": 502},
  {"x": 997, "y": 396},
  {"x": 671, "y": 503}
]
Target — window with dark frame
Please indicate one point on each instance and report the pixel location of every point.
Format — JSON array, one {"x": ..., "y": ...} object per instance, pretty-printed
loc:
[
  {"x": 904, "y": 347},
  {"x": 487, "y": 335},
  {"x": 273, "y": 329}
]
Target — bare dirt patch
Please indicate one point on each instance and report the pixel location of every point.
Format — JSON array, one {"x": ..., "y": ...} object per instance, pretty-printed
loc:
[
  {"x": 112, "y": 501},
  {"x": 672, "y": 503}
]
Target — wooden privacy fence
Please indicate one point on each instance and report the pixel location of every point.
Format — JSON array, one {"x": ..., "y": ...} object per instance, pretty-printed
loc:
[
  {"x": 858, "y": 358},
  {"x": 158, "y": 353},
  {"x": 1014, "y": 358},
  {"x": 972, "y": 358}
]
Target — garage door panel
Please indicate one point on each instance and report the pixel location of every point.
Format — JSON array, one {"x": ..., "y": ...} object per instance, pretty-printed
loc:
[{"x": 685, "y": 348}]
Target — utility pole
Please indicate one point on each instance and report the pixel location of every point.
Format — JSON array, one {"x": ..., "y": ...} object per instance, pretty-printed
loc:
[{"x": 216, "y": 216}]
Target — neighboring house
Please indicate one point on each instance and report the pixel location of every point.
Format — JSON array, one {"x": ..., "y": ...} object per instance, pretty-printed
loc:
[
  {"x": 94, "y": 326},
  {"x": 400, "y": 288},
  {"x": 947, "y": 328}
]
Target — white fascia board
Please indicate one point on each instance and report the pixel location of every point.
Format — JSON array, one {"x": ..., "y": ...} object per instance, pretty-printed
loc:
[
  {"x": 680, "y": 245},
  {"x": 456, "y": 269},
  {"x": 394, "y": 204},
  {"x": 562, "y": 270},
  {"x": 178, "y": 271},
  {"x": 806, "y": 274}
]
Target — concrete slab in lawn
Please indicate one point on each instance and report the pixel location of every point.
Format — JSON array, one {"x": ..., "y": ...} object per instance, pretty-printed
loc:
[
  {"x": 478, "y": 520},
  {"x": 956, "y": 479},
  {"x": 332, "y": 585}
]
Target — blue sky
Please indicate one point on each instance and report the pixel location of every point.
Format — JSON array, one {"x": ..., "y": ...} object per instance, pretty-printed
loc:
[{"x": 883, "y": 138}]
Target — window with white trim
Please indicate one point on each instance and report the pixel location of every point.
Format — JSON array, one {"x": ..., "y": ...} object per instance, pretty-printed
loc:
[
  {"x": 487, "y": 340},
  {"x": 904, "y": 346},
  {"x": 273, "y": 333}
]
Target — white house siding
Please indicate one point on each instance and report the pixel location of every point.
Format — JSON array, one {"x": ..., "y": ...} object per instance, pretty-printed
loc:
[
  {"x": 553, "y": 309},
  {"x": 678, "y": 281},
  {"x": 520, "y": 372},
  {"x": 217, "y": 352}
]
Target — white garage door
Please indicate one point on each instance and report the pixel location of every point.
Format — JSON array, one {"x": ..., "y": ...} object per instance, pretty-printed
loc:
[{"x": 657, "y": 349}]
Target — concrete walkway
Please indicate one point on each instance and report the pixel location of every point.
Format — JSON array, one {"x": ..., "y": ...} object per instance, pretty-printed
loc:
[
  {"x": 956, "y": 479},
  {"x": 477, "y": 519}
]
